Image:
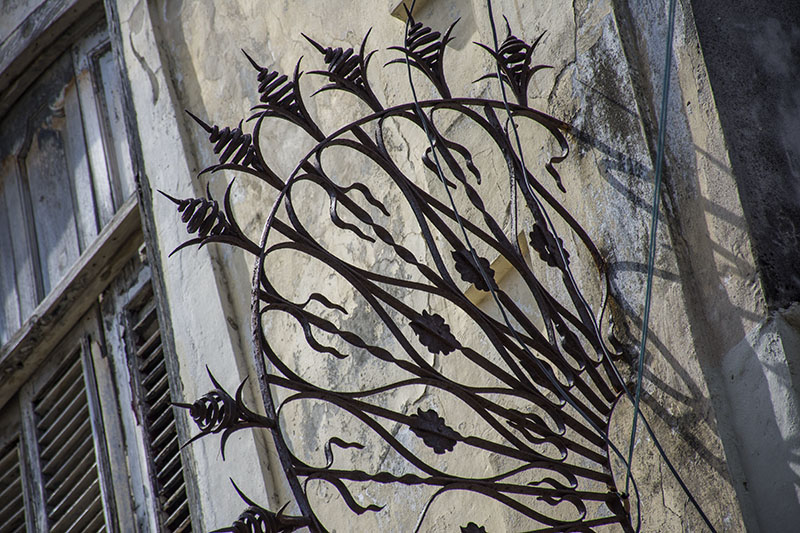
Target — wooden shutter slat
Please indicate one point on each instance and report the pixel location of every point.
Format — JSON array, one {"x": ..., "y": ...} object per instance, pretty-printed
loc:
[
  {"x": 155, "y": 370},
  {"x": 13, "y": 508},
  {"x": 158, "y": 391},
  {"x": 77, "y": 462},
  {"x": 70, "y": 396},
  {"x": 146, "y": 365},
  {"x": 158, "y": 437},
  {"x": 168, "y": 451},
  {"x": 161, "y": 404},
  {"x": 156, "y": 373},
  {"x": 7, "y": 488},
  {"x": 67, "y": 494},
  {"x": 16, "y": 520},
  {"x": 67, "y": 454},
  {"x": 60, "y": 444},
  {"x": 159, "y": 417},
  {"x": 164, "y": 422},
  {"x": 61, "y": 462},
  {"x": 96, "y": 524},
  {"x": 178, "y": 516},
  {"x": 51, "y": 465},
  {"x": 173, "y": 482},
  {"x": 72, "y": 477},
  {"x": 175, "y": 500},
  {"x": 9, "y": 459},
  {"x": 56, "y": 388},
  {"x": 62, "y": 414},
  {"x": 148, "y": 316},
  {"x": 149, "y": 344},
  {"x": 81, "y": 511},
  {"x": 10, "y": 475},
  {"x": 172, "y": 467}
]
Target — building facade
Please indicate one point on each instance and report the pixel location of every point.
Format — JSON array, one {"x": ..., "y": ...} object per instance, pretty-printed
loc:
[{"x": 102, "y": 329}]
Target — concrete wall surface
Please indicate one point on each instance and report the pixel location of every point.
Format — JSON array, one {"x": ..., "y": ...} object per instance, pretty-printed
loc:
[{"x": 719, "y": 382}]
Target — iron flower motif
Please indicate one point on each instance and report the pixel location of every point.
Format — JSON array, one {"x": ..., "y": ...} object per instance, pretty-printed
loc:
[
  {"x": 430, "y": 427},
  {"x": 434, "y": 333},
  {"x": 471, "y": 273}
]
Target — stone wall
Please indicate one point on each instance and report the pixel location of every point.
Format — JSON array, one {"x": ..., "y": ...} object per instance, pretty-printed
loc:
[{"x": 607, "y": 58}]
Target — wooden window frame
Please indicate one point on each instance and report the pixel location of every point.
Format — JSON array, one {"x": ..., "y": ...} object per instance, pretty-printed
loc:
[
  {"x": 137, "y": 299},
  {"x": 86, "y": 339},
  {"x": 49, "y": 31}
]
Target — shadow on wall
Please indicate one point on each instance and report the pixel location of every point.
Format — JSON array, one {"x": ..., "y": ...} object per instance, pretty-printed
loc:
[
  {"x": 750, "y": 385},
  {"x": 759, "y": 383}
]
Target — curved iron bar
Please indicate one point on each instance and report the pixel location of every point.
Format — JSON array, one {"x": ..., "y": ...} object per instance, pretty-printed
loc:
[{"x": 562, "y": 374}]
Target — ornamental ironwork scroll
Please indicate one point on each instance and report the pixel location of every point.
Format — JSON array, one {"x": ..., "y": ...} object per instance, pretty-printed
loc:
[{"x": 440, "y": 353}]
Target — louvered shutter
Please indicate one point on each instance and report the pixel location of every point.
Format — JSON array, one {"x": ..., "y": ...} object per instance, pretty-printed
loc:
[
  {"x": 159, "y": 420},
  {"x": 12, "y": 506},
  {"x": 67, "y": 455}
]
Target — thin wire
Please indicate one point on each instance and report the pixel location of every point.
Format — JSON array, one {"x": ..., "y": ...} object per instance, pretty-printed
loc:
[
  {"x": 651, "y": 257},
  {"x": 542, "y": 368},
  {"x": 647, "y": 426}
]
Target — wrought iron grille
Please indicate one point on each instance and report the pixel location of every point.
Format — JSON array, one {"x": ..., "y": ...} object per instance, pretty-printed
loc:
[{"x": 514, "y": 384}]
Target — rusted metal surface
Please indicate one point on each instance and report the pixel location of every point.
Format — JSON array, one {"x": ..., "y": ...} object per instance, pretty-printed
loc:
[{"x": 549, "y": 389}]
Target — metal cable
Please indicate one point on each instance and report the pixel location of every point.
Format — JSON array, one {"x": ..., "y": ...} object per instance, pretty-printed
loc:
[
  {"x": 651, "y": 255},
  {"x": 650, "y": 431}
]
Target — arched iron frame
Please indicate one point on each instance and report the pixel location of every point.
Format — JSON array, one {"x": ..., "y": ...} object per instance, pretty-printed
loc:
[{"x": 563, "y": 371}]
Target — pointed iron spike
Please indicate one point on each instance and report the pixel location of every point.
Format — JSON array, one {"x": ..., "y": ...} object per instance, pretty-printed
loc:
[
  {"x": 239, "y": 390},
  {"x": 223, "y": 440},
  {"x": 401, "y": 60},
  {"x": 242, "y": 496},
  {"x": 446, "y": 39},
  {"x": 485, "y": 77},
  {"x": 282, "y": 509},
  {"x": 228, "y": 191},
  {"x": 488, "y": 49},
  {"x": 213, "y": 380},
  {"x": 252, "y": 61},
  {"x": 297, "y": 72},
  {"x": 212, "y": 169},
  {"x": 367, "y": 59},
  {"x": 174, "y": 200},
  {"x": 196, "y": 437},
  {"x": 508, "y": 27},
  {"x": 364, "y": 41},
  {"x": 205, "y": 126},
  {"x": 186, "y": 244},
  {"x": 314, "y": 43},
  {"x": 536, "y": 42}
]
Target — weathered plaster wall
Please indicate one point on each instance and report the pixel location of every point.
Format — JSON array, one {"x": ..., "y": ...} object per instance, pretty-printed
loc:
[
  {"x": 761, "y": 386},
  {"x": 752, "y": 52},
  {"x": 197, "y": 303},
  {"x": 607, "y": 58}
]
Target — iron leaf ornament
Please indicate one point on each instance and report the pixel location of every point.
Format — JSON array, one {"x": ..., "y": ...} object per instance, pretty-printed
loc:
[
  {"x": 528, "y": 394},
  {"x": 430, "y": 427}
]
